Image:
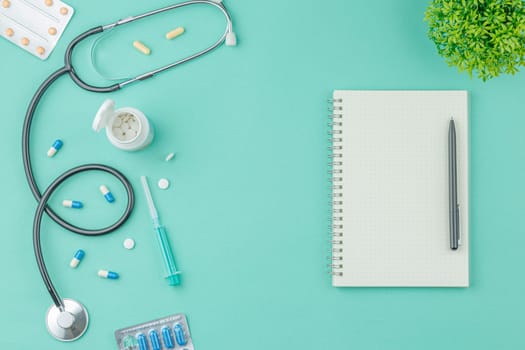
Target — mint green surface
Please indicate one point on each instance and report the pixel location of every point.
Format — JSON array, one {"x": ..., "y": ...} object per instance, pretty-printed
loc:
[{"x": 247, "y": 210}]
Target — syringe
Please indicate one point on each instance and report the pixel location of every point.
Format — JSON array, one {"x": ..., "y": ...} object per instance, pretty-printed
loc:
[{"x": 172, "y": 275}]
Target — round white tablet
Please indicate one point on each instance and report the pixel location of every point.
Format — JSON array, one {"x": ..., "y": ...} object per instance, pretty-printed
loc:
[
  {"x": 164, "y": 184},
  {"x": 129, "y": 243}
]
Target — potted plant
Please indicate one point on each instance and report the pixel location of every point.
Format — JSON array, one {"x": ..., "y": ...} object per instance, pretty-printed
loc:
[{"x": 482, "y": 36}]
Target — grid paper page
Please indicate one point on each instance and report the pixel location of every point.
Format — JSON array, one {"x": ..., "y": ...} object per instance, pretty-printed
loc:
[{"x": 395, "y": 188}]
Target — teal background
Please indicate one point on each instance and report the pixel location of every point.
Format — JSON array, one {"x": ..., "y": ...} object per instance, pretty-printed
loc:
[{"x": 247, "y": 211}]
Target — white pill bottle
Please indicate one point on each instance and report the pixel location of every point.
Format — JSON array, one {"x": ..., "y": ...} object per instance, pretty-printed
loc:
[{"x": 126, "y": 128}]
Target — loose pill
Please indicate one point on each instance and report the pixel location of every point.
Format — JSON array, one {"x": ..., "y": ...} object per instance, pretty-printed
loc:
[
  {"x": 129, "y": 243},
  {"x": 155, "y": 340},
  {"x": 141, "y": 47},
  {"x": 24, "y": 41},
  {"x": 107, "y": 194},
  {"x": 72, "y": 204},
  {"x": 64, "y": 11},
  {"x": 170, "y": 156},
  {"x": 108, "y": 274},
  {"x": 6, "y": 4},
  {"x": 164, "y": 184},
  {"x": 52, "y": 31},
  {"x": 9, "y": 32},
  {"x": 79, "y": 255},
  {"x": 49, "y": 2},
  {"x": 174, "y": 33},
  {"x": 40, "y": 50},
  {"x": 143, "y": 342},
  {"x": 54, "y": 149},
  {"x": 180, "y": 337},
  {"x": 168, "y": 339}
]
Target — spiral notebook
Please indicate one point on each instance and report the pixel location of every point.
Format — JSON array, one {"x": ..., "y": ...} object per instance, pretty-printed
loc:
[{"x": 389, "y": 166}]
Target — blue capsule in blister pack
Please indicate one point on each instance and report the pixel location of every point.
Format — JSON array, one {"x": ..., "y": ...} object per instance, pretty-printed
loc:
[
  {"x": 168, "y": 339},
  {"x": 143, "y": 341},
  {"x": 180, "y": 337},
  {"x": 154, "y": 338},
  {"x": 165, "y": 333}
]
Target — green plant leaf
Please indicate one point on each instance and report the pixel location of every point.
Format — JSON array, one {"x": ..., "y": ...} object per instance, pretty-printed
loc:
[{"x": 486, "y": 37}]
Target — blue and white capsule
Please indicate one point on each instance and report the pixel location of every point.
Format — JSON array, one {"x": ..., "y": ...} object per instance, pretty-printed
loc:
[
  {"x": 168, "y": 339},
  {"x": 180, "y": 337},
  {"x": 54, "y": 149},
  {"x": 107, "y": 194},
  {"x": 108, "y": 274},
  {"x": 154, "y": 339},
  {"x": 72, "y": 204},
  {"x": 79, "y": 255},
  {"x": 143, "y": 341}
]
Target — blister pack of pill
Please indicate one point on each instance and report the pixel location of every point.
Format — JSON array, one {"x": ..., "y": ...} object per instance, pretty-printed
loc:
[
  {"x": 170, "y": 332},
  {"x": 34, "y": 25}
]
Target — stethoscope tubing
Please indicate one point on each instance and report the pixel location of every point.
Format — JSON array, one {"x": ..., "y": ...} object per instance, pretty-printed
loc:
[{"x": 42, "y": 207}]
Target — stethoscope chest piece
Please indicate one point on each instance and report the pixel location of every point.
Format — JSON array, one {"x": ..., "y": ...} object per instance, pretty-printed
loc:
[
  {"x": 126, "y": 128},
  {"x": 69, "y": 324}
]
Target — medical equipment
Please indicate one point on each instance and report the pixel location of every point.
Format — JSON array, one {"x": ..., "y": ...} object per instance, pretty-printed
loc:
[
  {"x": 154, "y": 339},
  {"x": 170, "y": 269},
  {"x": 168, "y": 339},
  {"x": 70, "y": 324},
  {"x": 129, "y": 243},
  {"x": 79, "y": 255},
  {"x": 34, "y": 25},
  {"x": 107, "y": 194},
  {"x": 141, "y": 47},
  {"x": 143, "y": 341},
  {"x": 57, "y": 145},
  {"x": 170, "y": 332},
  {"x": 163, "y": 184},
  {"x": 170, "y": 156},
  {"x": 172, "y": 34},
  {"x": 67, "y": 319},
  {"x": 72, "y": 204},
  {"x": 126, "y": 128},
  {"x": 108, "y": 274}
]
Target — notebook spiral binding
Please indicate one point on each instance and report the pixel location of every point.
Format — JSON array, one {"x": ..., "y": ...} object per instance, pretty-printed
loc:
[{"x": 335, "y": 171}]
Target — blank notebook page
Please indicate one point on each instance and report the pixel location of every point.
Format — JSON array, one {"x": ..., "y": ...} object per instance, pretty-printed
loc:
[{"x": 395, "y": 188}]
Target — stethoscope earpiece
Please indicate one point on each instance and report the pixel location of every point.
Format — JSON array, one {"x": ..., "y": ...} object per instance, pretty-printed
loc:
[{"x": 231, "y": 39}]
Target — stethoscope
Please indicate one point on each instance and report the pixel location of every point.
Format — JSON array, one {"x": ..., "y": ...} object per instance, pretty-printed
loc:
[{"x": 67, "y": 319}]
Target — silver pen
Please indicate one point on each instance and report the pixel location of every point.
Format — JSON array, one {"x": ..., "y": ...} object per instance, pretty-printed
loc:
[{"x": 453, "y": 187}]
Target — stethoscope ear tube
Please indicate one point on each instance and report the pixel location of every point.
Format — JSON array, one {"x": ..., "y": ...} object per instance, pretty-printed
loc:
[
  {"x": 68, "y": 65},
  {"x": 228, "y": 36}
]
